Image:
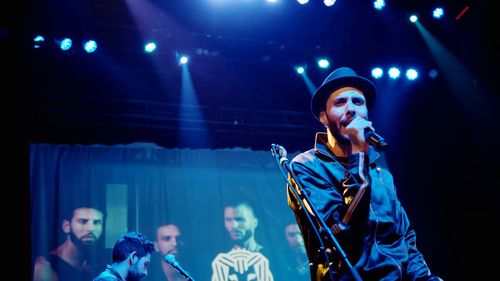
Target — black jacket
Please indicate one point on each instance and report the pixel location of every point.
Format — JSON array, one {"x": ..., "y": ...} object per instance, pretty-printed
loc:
[{"x": 357, "y": 199}]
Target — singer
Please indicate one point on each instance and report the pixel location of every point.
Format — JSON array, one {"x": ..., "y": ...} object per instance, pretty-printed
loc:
[{"x": 346, "y": 180}]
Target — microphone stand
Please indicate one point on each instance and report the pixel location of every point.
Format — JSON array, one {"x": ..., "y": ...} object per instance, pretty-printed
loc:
[{"x": 279, "y": 153}]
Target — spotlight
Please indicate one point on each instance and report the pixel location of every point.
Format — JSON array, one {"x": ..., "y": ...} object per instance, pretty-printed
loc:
[
  {"x": 394, "y": 72},
  {"x": 38, "y": 41},
  {"x": 302, "y": 2},
  {"x": 65, "y": 44},
  {"x": 411, "y": 74},
  {"x": 329, "y": 3},
  {"x": 438, "y": 12},
  {"x": 90, "y": 46},
  {"x": 379, "y": 4},
  {"x": 150, "y": 47},
  {"x": 300, "y": 69},
  {"x": 183, "y": 60},
  {"x": 433, "y": 73},
  {"x": 413, "y": 18},
  {"x": 323, "y": 63},
  {"x": 377, "y": 73}
]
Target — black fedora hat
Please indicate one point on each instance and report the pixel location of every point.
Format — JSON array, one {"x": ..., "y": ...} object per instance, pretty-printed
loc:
[{"x": 342, "y": 77}]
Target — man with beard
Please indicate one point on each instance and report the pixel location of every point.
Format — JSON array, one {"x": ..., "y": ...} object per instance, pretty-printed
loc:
[
  {"x": 245, "y": 260},
  {"x": 349, "y": 185},
  {"x": 71, "y": 260},
  {"x": 169, "y": 241},
  {"x": 130, "y": 259}
]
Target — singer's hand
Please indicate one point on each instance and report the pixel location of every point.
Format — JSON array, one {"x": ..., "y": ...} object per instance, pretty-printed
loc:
[{"x": 355, "y": 131}]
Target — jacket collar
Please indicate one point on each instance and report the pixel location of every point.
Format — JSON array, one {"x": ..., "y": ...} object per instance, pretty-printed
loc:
[{"x": 320, "y": 146}]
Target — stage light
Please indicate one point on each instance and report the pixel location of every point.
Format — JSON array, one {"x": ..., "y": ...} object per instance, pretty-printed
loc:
[
  {"x": 394, "y": 72},
  {"x": 300, "y": 69},
  {"x": 438, "y": 12},
  {"x": 38, "y": 41},
  {"x": 379, "y": 4},
  {"x": 377, "y": 73},
  {"x": 323, "y": 63},
  {"x": 302, "y": 2},
  {"x": 413, "y": 18},
  {"x": 65, "y": 44},
  {"x": 90, "y": 46},
  {"x": 433, "y": 73},
  {"x": 183, "y": 60},
  {"x": 150, "y": 47},
  {"x": 411, "y": 74},
  {"x": 329, "y": 3}
]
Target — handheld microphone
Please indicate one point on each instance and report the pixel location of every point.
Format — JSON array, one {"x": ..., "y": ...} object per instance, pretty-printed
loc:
[
  {"x": 376, "y": 140},
  {"x": 170, "y": 259},
  {"x": 280, "y": 151}
]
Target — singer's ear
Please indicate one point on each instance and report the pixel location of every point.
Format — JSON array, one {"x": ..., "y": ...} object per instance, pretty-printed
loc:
[{"x": 323, "y": 118}]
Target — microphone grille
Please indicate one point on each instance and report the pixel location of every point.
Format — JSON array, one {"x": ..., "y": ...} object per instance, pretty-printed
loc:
[{"x": 170, "y": 258}]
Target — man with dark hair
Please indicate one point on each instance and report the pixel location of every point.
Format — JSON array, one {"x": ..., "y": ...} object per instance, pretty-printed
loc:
[
  {"x": 353, "y": 192},
  {"x": 169, "y": 242},
  {"x": 245, "y": 260},
  {"x": 131, "y": 259},
  {"x": 83, "y": 227}
]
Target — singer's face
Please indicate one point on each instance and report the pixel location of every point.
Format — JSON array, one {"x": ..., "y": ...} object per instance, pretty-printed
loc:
[
  {"x": 240, "y": 222},
  {"x": 85, "y": 227},
  {"x": 342, "y": 107},
  {"x": 168, "y": 239}
]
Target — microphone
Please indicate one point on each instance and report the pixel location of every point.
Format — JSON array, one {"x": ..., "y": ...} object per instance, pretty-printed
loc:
[
  {"x": 376, "y": 140},
  {"x": 170, "y": 259},
  {"x": 281, "y": 152}
]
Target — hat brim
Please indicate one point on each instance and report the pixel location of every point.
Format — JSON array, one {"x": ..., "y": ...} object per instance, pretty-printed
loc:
[{"x": 318, "y": 101}]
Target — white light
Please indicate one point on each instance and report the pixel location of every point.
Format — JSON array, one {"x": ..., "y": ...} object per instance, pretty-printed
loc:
[
  {"x": 300, "y": 70},
  {"x": 183, "y": 60},
  {"x": 438, "y": 12},
  {"x": 411, "y": 74},
  {"x": 394, "y": 72},
  {"x": 379, "y": 4},
  {"x": 413, "y": 18},
  {"x": 323, "y": 63},
  {"x": 150, "y": 47},
  {"x": 329, "y": 3},
  {"x": 302, "y": 2},
  {"x": 377, "y": 72}
]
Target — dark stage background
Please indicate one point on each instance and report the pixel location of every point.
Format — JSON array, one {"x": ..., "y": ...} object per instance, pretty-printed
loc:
[{"x": 240, "y": 94}]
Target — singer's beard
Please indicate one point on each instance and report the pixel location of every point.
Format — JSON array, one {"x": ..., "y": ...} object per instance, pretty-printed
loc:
[{"x": 337, "y": 134}]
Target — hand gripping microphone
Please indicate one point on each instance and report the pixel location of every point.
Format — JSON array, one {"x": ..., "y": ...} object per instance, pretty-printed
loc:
[
  {"x": 170, "y": 259},
  {"x": 376, "y": 140}
]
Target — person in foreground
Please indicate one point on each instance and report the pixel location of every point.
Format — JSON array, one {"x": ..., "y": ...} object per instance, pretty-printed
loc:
[
  {"x": 131, "y": 259},
  {"x": 352, "y": 190}
]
